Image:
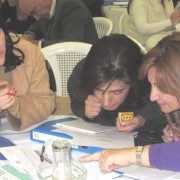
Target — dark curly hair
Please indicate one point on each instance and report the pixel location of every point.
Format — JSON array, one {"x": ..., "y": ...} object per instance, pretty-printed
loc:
[{"x": 12, "y": 60}]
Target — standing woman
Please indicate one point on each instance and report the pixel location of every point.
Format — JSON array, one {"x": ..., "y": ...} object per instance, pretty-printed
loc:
[
  {"x": 15, "y": 19},
  {"x": 25, "y": 96},
  {"x": 106, "y": 83}
]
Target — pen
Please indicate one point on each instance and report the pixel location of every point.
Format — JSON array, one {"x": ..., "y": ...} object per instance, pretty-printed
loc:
[
  {"x": 11, "y": 94},
  {"x": 42, "y": 152}
]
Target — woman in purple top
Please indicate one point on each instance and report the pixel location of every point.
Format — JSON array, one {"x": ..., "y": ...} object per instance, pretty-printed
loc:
[{"x": 162, "y": 69}]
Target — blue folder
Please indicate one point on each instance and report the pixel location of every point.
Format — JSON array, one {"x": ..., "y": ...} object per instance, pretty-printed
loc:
[
  {"x": 44, "y": 132},
  {"x": 4, "y": 142}
]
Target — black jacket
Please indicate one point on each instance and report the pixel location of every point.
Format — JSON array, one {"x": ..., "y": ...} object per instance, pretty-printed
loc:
[
  {"x": 72, "y": 21},
  {"x": 149, "y": 110}
]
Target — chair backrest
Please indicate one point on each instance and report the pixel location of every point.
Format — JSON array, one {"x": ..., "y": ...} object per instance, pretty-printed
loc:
[
  {"x": 123, "y": 25},
  {"x": 62, "y": 58},
  {"x": 123, "y": 21},
  {"x": 103, "y": 26}
]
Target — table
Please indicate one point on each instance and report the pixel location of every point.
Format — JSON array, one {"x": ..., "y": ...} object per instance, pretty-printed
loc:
[
  {"x": 93, "y": 171},
  {"x": 114, "y": 13},
  {"x": 132, "y": 172}
]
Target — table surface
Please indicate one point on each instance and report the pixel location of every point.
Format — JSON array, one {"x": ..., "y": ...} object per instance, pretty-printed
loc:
[
  {"x": 132, "y": 172},
  {"x": 93, "y": 170}
]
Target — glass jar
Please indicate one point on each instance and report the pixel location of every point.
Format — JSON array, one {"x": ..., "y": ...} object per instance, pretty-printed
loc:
[{"x": 61, "y": 160}]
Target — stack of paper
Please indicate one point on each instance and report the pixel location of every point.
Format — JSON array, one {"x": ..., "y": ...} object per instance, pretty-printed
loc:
[
  {"x": 84, "y": 136},
  {"x": 82, "y": 126}
]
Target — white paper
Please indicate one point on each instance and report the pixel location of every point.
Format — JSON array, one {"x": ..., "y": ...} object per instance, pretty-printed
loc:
[
  {"x": 82, "y": 126},
  {"x": 23, "y": 159},
  {"x": 109, "y": 139},
  {"x": 6, "y": 129},
  {"x": 142, "y": 173},
  {"x": 146, "y": 173}
]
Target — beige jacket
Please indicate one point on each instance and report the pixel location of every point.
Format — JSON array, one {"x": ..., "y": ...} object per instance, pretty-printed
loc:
[{"x": 35, "y": 101}]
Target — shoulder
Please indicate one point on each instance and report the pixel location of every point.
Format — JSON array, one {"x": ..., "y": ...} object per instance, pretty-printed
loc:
[
  {"x": 79, "y": 66},
  {"x": 76, "y": 73},
  {"x": 32, "y": 53}
]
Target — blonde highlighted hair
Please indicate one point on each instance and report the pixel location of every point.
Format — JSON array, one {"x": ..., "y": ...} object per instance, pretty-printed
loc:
[{"x": 165, "y": 57}]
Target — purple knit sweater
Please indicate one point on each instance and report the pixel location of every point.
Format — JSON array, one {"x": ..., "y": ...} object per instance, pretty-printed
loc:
[{"x": 165, "y": 156}]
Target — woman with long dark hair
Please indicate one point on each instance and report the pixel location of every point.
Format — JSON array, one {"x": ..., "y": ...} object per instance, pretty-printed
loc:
[
  {"x": 25, "y": 96},
  {"x": 106, "y": 83}
]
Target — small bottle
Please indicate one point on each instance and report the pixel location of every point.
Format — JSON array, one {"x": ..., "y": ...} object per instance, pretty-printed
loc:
[{"x": 61, "y": 160}]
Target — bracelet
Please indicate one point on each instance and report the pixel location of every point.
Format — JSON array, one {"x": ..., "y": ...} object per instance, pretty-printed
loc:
[{"x": 139, "y": 150}]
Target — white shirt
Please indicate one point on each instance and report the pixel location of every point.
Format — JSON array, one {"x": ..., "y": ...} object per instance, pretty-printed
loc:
[
  {"x": 52, "y": 11},
  {"x": 148, "y": 17}
]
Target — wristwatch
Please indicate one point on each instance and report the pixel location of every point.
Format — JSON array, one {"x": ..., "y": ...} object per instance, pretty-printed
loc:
[{"x": 139, "y": 150}]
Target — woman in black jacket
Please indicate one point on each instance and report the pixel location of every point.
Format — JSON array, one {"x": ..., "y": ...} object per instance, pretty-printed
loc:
[{"x": 106, "y": 83}]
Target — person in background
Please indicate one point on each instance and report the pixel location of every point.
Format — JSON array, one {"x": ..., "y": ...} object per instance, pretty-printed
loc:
[
  {"x": 94, "y": 7},
  {"x": 59, "y": 21},
  {"x": 106, "y": 83},
  {"x": 149, "y": 17},
  {"x": 16, "y": 20},
  {"x": 161, "y": 66},
  {"x": 175, "y": 2},
  {"x": 25, "y": 96}
]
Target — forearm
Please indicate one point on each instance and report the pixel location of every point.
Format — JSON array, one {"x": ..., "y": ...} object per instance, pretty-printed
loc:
[
  {"x": 29, "y": 110},
  {"x": 144, "y": 159},
  {"x": 78, "y": 109}
]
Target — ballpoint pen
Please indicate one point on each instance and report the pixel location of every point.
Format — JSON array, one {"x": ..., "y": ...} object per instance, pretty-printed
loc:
[
  {"x": 11, "y": 94},
  {"x": 42, "y": 153}
]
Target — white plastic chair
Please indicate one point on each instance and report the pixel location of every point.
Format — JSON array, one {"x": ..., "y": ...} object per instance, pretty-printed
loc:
[
  {"x": 123, "y": 21},
  {"x": 62, "y": 58},
  {"x": 103, "y": 26}
]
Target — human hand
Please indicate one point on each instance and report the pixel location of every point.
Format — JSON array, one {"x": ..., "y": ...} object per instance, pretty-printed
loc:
[
  {"x": 7, "y": 95},
  {"x": 92, "y": 107},
  {"x": 175, "y": 17},
  {"x": 111, "y": 159},
  {"x": 171, "y": 133},
  {"x": 129, "y": 126}
]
